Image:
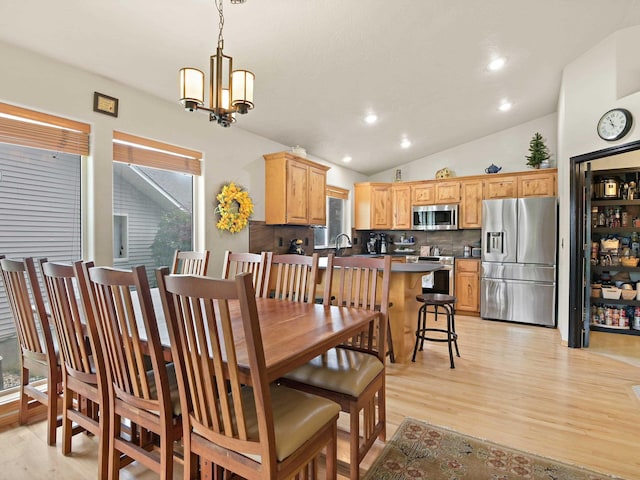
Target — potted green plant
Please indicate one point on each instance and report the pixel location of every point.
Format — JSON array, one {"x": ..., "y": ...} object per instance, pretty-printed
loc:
[{"x": 538, "y": 152}]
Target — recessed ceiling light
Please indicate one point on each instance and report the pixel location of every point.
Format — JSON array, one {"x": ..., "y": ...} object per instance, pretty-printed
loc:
[
  {"x": 405, "y": 143},
  {"x": 346, "y": 159},
  {"x": 505, "y": 106},
  {"x": 496, "y": 64},
  {"x": 371, "y": 118}
]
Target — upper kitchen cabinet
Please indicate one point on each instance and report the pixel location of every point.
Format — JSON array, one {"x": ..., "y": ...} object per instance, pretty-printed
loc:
[
  {"x": 500, "y": 186},
  {"x": 447, "y": 191},
  {"x": 294, "y": 190},
  {"x": 372, "y": 206},
  {"x": 540, "y": 184},
  {"x": 401, "y": 206},
  {"x": 433, "y": 192},
  {"x": 423, "y": 193},
  {"x": 471, "y": 204},
  {"x": 534, "y": 183}
]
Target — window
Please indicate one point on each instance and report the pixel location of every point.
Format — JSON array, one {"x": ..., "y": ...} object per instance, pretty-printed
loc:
[
  {"x": 153, "y": 191},
  {"x": 337, "y": 218},
  {"x": 120, "y": 237},
  {"x": 40, "y": 203}
]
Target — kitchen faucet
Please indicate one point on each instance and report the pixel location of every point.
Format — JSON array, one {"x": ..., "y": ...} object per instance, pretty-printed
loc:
[{"x": 338, "y": 248}]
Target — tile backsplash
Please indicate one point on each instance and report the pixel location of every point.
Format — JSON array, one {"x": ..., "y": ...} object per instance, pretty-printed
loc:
[
  {"x": 277, "y": 238},
  {"x": 450, "y": 242}
]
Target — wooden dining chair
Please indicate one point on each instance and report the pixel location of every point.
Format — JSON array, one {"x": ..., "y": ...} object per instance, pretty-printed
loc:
[
  {"x": 258, "y": 264},
  {"x": 38, "y": 356},
  {"x": 142, "y": 388},
  {"x": 263, "y": 431},
  {"x": 194, "y": 263},
  {"x": 353, "y": 374},
  {"x": 85, "y": 397},
  {"x": 293, "y": 277}
]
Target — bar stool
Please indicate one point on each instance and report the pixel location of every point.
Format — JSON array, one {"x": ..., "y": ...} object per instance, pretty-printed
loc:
[{"x": 436, "y": 300}]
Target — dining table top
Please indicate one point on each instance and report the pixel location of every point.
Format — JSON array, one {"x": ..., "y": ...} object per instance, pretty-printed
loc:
[{"x": 292, "y": 333}]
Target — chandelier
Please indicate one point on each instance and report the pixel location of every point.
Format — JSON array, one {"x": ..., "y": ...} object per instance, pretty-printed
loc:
[{"x": 230, "y": 91}]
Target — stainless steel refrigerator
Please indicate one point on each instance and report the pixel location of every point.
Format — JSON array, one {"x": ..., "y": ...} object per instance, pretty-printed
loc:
[{"x": 518, "y": 280}]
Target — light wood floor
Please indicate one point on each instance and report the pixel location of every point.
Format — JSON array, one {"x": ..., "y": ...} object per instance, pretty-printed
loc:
[{"x": 514, "y": 384}]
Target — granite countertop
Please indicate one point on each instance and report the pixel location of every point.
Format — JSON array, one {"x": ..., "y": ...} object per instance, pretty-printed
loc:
[{"x": 419, "y": 267}]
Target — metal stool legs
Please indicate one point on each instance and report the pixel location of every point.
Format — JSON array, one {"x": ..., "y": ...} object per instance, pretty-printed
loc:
[{"x": 450, "y": 331}]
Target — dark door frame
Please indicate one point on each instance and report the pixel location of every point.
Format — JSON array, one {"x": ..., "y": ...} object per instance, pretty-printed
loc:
[{"x": 576, "y": 236}]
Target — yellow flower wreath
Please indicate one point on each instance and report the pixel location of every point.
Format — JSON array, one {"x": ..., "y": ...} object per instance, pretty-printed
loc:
[{"x": 235, "y": 207}]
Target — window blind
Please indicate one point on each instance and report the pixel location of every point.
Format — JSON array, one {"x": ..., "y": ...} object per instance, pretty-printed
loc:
[
  {"x": 29, "y": 128},
  {"x": 136, "y": 150}
]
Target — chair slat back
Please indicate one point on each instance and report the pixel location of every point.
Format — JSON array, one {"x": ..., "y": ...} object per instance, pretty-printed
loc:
[
  {"x": 293, "y": 278},
  {"x": 128, "y": 331},
  {"x": 361, "y": 282},
  {"x": 204, "y": 343},
  {"x": 191, "y": 263},
  {"x": 68, "y": 316},
  {"x": 27, "y": 306},
  {"x": 257, "y": 264}
]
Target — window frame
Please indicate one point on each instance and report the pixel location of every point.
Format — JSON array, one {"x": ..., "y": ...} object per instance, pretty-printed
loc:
[{"x": 334, "y": 192}]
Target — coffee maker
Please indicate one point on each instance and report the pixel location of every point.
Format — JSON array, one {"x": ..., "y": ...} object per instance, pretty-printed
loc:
[{"x": 372, "y": 244}]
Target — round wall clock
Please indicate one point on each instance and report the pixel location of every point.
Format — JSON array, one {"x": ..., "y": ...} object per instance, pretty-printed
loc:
[{"x": 615, "y": 124}]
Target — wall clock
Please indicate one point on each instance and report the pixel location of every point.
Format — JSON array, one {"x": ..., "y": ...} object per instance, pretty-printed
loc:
[{"x": 615, "y": 124}]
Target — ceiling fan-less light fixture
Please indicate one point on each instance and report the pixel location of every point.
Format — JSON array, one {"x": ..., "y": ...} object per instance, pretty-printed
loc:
[{"x": 230, "y": 91}]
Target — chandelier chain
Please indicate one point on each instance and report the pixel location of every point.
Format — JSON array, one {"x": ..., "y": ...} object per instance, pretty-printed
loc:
[{"x": 220, "y": 23}]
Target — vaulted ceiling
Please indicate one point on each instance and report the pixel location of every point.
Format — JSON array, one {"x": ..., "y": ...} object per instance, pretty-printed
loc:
[{"x": 322, "y": 65}]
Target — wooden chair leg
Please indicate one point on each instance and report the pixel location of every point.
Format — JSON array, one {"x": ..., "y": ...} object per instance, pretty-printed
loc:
[
  {"x": 67, "y": 424},
  {"x": 52, "y": 412}
]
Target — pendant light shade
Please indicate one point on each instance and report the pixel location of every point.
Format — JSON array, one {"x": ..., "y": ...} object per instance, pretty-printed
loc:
[
  {"x": 191, "y": 88},
  {"x": 242, "y": 88}
]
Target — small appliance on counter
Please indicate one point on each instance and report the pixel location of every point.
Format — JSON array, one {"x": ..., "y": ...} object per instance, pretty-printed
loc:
[
  {"x": 383, "y": 243},
  {"x": 296, "y": 247},
  {"x": 372, "y": 244}
]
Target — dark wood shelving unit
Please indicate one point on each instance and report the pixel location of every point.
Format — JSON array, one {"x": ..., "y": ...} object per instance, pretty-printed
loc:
[
  {"x": 614, "y": 202},
  {"x": 598, "y": 232},
  {"x": 614, "y": 301},
  {"x": 603, "y": 328}
]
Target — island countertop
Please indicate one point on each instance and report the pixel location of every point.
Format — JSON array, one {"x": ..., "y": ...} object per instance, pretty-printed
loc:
[
  {"x": 406, "y": 283},
  {"x": 418, "y": 267}
]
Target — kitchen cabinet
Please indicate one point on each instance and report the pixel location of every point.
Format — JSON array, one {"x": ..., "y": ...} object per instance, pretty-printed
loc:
[
  {"x": 401, "y": 206},
  {"x": 471, "y": 204},
  {"x": 372, "y": 206},
  {"x": 294, "y": 190},
  {"x": 502, "y": 186},
  {"x": 434, "y": 192},
  {"x": 614, "y": 241},
  {"x": 423, "y": 193},
  {"x": 537, "y": 185},
  {"x": 448, "y": 192},
  {"x": 467, "y": 286}
]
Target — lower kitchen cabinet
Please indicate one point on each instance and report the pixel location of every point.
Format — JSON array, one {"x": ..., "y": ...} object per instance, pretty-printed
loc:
[{"x": 467, "y": 286}]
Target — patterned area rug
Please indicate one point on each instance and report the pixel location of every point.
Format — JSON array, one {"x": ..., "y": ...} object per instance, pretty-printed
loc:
[{"x": 419, "y": 451}]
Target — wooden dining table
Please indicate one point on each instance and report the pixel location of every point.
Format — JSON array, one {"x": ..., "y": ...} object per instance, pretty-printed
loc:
[{"x": 292, "y": 333}]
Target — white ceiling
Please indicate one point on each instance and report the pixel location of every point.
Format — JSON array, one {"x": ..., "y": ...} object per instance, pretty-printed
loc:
[{"x": 321, "y": 65}]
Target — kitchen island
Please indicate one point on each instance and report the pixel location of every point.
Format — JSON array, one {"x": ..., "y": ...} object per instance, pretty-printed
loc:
[{"x": 405, "y": 284}]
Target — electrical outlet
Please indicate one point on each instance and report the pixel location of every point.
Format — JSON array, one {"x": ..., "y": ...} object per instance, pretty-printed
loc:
[{"x": 280, "y": 242}]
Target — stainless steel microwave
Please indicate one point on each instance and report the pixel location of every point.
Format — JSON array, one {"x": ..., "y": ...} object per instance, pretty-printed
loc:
[{"x": 435, "y": 217}]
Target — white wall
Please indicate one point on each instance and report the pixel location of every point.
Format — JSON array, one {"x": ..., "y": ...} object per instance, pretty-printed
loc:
[
  {"x": 506, "y": 149},
  {"x": 231, "y": 154},
  {"x": 590, "y": 87}
]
